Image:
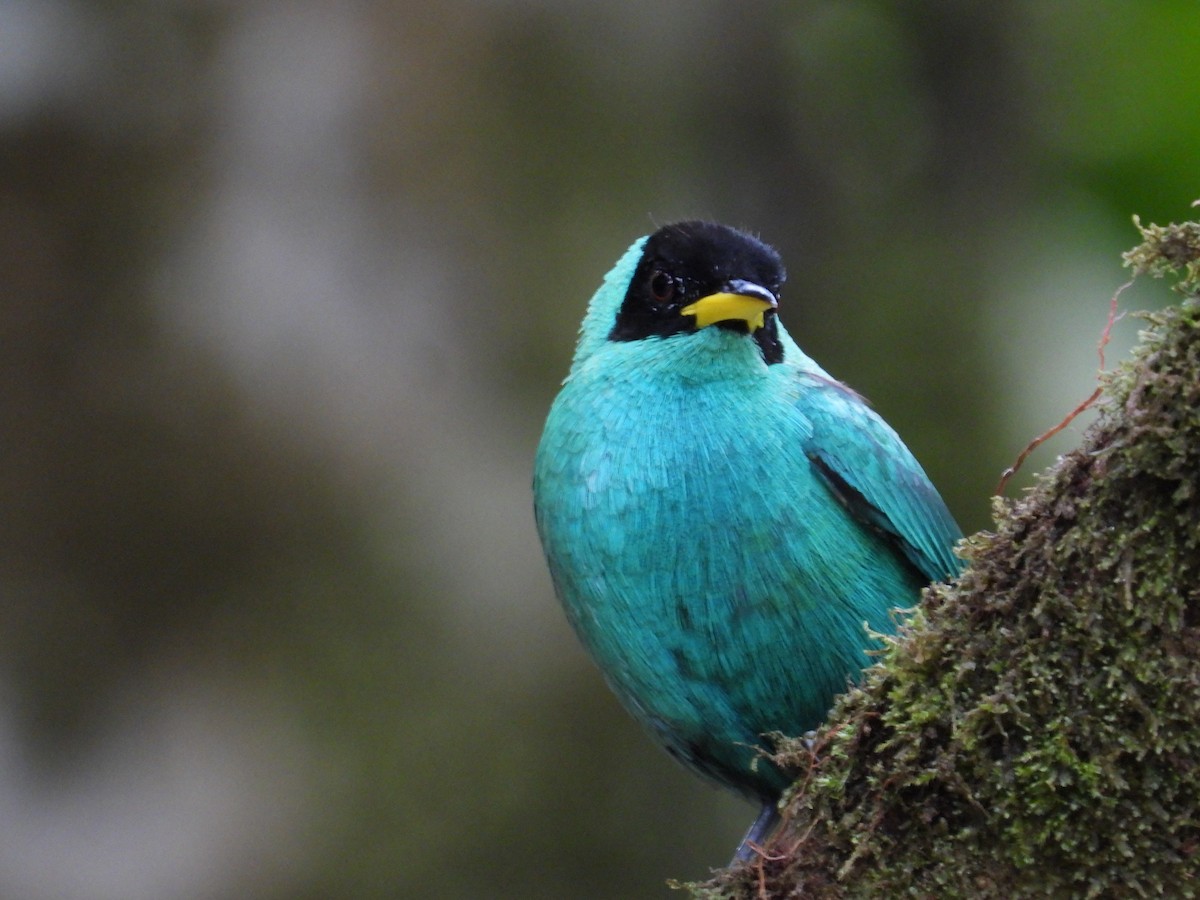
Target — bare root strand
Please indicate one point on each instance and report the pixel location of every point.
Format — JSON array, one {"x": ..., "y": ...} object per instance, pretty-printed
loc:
[{"x": 1105, "y": 337}]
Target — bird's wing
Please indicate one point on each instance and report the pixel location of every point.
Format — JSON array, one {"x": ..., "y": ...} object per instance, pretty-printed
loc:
[{"x": 876, "y": 477}]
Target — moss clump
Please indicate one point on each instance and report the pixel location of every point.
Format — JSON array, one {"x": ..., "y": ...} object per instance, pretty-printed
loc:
[{"x": 1035, "y": 729}]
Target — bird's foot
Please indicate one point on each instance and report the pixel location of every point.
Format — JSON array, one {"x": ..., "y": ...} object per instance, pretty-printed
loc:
[{"x": 751, "y": 844}]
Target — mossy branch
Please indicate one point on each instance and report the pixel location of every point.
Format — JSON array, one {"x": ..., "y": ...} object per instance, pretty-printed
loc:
[{"x": 1035, "y": 728}]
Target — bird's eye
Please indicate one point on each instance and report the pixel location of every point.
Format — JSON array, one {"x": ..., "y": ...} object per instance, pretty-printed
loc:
[{"x": 662, "y": 286}]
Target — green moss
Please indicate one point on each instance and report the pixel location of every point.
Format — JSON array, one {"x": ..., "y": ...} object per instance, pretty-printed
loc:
[{"x": 1033, "y": 730}]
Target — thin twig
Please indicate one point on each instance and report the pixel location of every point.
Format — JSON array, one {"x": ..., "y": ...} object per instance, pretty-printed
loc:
[{"x": 1105, "y": 336}]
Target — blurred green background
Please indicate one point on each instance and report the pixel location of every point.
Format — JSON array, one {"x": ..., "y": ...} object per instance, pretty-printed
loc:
[{"x": 287, "y": 289}]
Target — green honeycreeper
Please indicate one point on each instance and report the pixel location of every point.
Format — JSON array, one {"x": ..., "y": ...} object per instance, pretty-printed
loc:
[{"x": 725, "y": 524}]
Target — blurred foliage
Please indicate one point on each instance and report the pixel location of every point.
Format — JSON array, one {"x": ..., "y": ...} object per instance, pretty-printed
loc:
[{"x": 286, "y": 292}]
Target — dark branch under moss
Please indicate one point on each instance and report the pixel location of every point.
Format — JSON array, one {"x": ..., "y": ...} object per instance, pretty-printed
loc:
[{"x": 1033, "y": 731}]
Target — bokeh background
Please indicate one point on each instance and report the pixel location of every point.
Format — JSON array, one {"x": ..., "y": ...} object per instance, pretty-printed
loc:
[{"x": 285, "y": 292}]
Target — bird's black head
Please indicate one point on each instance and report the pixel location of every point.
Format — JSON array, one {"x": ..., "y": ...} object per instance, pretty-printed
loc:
[{"x": 695, "y": 274}]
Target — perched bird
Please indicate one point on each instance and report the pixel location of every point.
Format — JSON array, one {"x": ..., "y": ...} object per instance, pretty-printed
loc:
[{"x": 724, "y": 523}]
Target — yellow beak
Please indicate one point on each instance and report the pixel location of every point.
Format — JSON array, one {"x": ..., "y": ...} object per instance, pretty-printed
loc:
[{"x": 745, "y": 302}]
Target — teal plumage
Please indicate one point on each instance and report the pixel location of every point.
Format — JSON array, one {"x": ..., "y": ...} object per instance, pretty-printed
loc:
[{"x": 723, "y": 521}]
